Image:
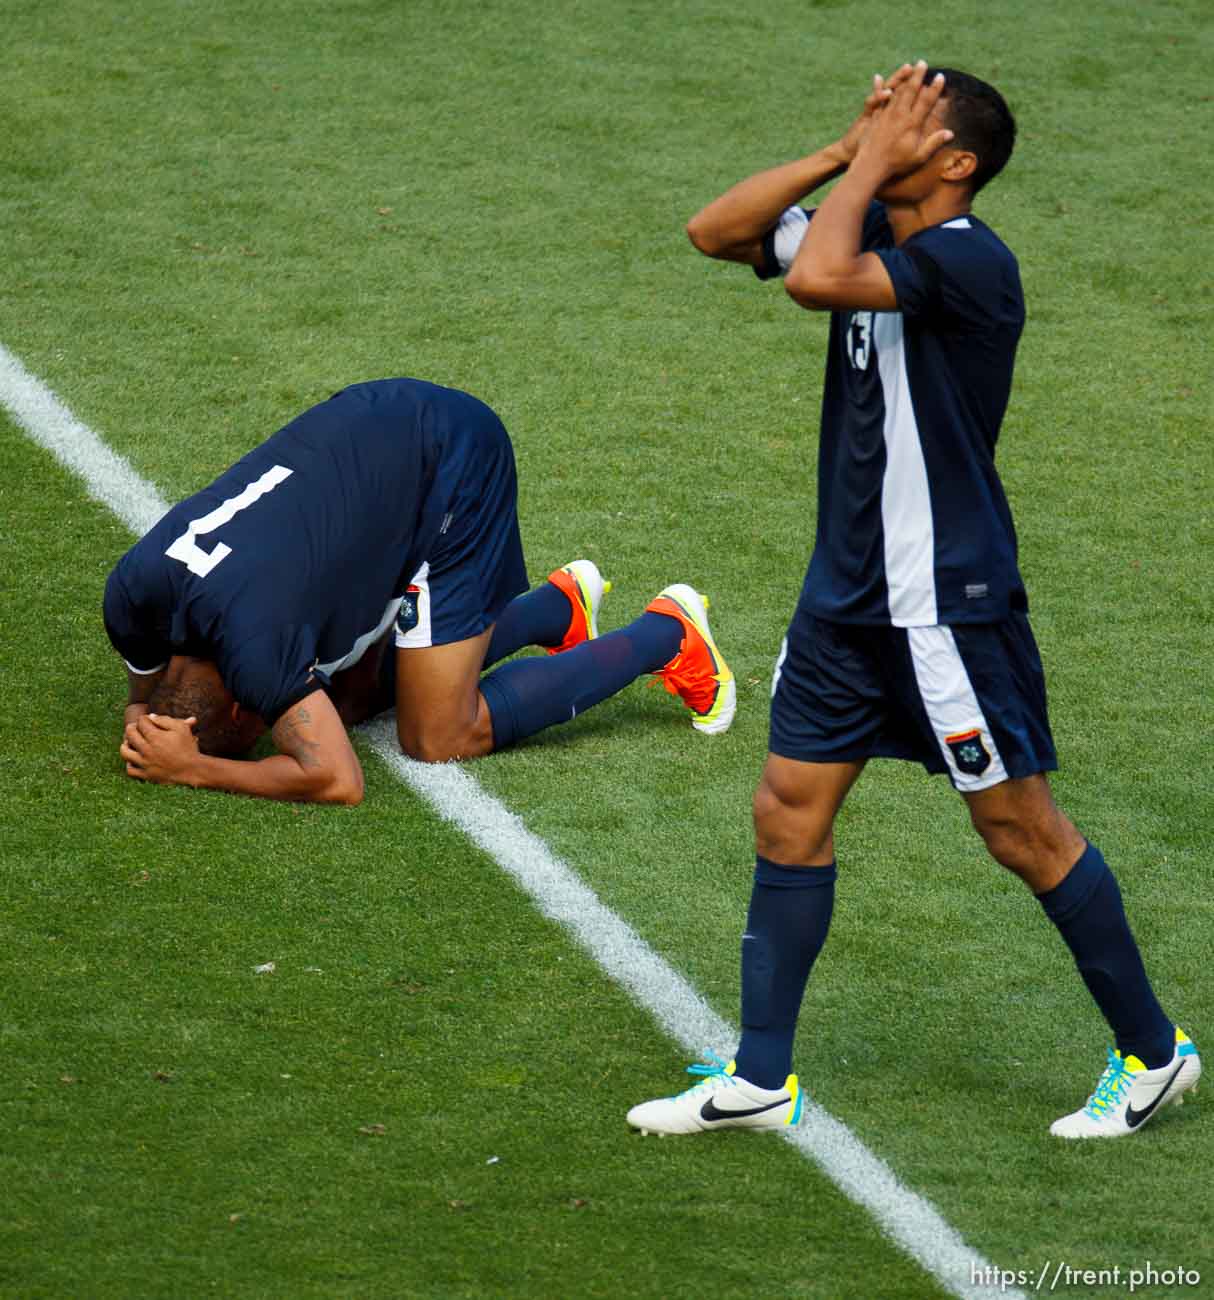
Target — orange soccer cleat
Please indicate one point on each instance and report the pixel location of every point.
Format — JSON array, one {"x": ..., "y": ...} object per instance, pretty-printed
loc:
[
  {"x": 698, "y": 673},
  {"x": 585, "y": 586}
]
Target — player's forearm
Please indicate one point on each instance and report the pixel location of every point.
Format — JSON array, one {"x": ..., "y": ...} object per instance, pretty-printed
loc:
[
  {"x": 278, "y": 777},
  {"x": 831, "y": 247},
  {"x": 132, "y": 712},
  {"x": 748, "y": 211},
  {"x": 139, "y": 688}
]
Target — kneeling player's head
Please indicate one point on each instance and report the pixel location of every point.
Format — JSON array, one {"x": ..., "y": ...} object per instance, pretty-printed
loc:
[
  {"x": 192, "y": 688},
  {"x": 980, "y": 120}
]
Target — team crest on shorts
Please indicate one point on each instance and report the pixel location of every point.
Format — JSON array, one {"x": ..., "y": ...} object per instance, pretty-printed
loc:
[
  {"x": 406, "y": 619},
  {"x": 969, "y": 753}
]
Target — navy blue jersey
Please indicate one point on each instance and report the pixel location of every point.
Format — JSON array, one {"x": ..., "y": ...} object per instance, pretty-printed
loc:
[
  {"x": 913, "y": 524},
  {"x": 292, "y": 562}
]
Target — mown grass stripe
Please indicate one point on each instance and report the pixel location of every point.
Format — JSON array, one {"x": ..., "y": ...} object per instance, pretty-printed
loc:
[{"x": 906, "y": 1217}]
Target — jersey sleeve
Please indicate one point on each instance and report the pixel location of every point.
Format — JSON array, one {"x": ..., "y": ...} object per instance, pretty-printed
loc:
[
  {"x": 134, "y": 629},
  {"x": 781, "y": 242},
  {"x": 951, "y": 273}
]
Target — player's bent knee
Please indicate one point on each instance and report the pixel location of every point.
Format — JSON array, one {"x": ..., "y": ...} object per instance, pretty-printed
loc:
[
  {"x": 424, "y": 750},
  {"x": 433, "y": 747}
]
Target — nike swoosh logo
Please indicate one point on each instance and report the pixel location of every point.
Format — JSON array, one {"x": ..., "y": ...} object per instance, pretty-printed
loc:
[
  {"x": 1135, "y": 1117},
  {"x": 709, "y": 1111}
]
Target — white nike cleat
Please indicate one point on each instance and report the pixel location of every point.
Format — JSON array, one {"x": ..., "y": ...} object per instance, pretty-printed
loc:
[
  {"x": 720, "y": 1100},
  {"x": 1128, "y": 1094}
]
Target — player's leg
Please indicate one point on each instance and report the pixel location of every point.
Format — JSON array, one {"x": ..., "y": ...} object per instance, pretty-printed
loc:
[
  {"x": 474, "y": 577},
  {"x": 443, "y": 712},
  {"x": 671, "y": 639},
  {"x": 559, "y": 614},
  {"x": 474, "y": 571},
  {"x": 440, "y": 713},
  {"x": 1154, "y": 1063},
  {"x": 983, "y": 692},
  {"x": 791, "y": 904},
  {"x": 827, "y": 715}
]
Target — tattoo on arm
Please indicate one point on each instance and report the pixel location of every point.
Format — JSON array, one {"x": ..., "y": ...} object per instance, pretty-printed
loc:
[
  {"x": 297, "y": 742},
  {"x": 302, "y": 748}
]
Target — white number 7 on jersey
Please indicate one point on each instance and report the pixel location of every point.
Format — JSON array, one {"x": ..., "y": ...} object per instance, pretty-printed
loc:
[{"x": 186, "y": 549}]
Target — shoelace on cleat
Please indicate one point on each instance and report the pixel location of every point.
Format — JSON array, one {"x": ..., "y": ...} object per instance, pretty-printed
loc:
[
  {"x": 698, "y": 690},
  {"x": 1111, "y": 1088},
  {"x": 714, "y": 1073}
]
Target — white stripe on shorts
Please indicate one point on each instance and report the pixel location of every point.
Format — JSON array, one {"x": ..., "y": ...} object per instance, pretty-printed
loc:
[
  {"x": 421, "y": 634},
  {"x": 952, "y": 707}
]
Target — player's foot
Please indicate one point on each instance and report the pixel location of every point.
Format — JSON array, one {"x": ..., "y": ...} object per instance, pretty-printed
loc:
[
  {"x": 585, "y": 586},
  {"x": 1128, "y": 1094},
  {"x": 720, "y": 1100},
  {"x": 698, "y": 673}
]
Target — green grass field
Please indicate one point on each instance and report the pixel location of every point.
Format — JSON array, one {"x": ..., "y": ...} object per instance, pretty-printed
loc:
[{"x": 214, "y": 215}]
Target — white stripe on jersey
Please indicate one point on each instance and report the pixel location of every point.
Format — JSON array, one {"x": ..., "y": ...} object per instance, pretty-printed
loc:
[
  {"x": 906, "y": 504},
  {"x": 951, "y": 705},
  {"x": 368, "y": 639},
  {"x": 790, "y": 231},
  {"x": 145, "y": 672}
]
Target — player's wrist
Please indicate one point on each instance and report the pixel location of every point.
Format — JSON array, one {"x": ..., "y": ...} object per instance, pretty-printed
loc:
[
  {"x": 869, "y": 169},
  {"x": 203, "y": 772},
  {"x": 839, "y": 153}
]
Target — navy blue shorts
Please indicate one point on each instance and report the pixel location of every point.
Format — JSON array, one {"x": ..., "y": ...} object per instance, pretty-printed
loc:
[
  {"x": 476, "y": 567},
  {"x": 968, "y": 700}
]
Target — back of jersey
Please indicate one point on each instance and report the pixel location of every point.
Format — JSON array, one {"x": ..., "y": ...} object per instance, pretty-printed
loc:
[{"x": 291, "y": 556}]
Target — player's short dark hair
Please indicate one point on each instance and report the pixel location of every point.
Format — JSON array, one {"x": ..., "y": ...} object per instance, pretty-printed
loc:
[
  {"x": 980, "y": 120},
  {"x": 194, "y": 694}
]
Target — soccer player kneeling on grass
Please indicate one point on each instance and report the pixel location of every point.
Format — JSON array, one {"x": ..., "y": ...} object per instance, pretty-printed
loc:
[
  {"x": 387, "y": 513},
  {"x": 911, "y": 637}
]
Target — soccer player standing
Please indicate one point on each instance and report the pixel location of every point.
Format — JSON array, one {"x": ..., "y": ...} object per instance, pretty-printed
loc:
[
  {"x": 911, "y": 637},
  {"x": 267, "y": 601}
]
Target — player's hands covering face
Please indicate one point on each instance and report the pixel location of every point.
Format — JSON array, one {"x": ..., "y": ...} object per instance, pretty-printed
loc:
[
  {"x": 880, "y": 95},
  {"x": 908, "y": 129},
  {"x": 159, "y": 749}
]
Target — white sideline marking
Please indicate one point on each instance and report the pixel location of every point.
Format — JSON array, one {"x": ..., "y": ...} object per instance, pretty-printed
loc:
[
  {"x": 905, "y": 1216},
  {"x": 108, "y": 477}
]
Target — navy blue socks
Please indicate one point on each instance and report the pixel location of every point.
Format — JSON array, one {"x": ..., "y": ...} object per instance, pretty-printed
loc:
[
  {"x": 527, "y": 695},
  {"x": 537, "y": 617},
  {"x": 790, "y": 910},
  {"x": 1087, "y": 909}
]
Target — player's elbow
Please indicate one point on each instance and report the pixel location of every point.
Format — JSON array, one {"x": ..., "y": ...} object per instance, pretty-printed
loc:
[
  {"x": 808, "y": 289},
  {"x": 348, "y": 795},
  {"x": 705, "y": 237},
  {"x": 343, "y": 788}
]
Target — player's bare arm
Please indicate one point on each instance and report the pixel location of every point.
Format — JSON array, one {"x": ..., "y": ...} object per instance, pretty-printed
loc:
[
  {"x": 905, "y": 141},
  {"x": 139, "y": 689},
  {"x": 315, "y": 764},
  {"x": 732, "y": 227}
]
